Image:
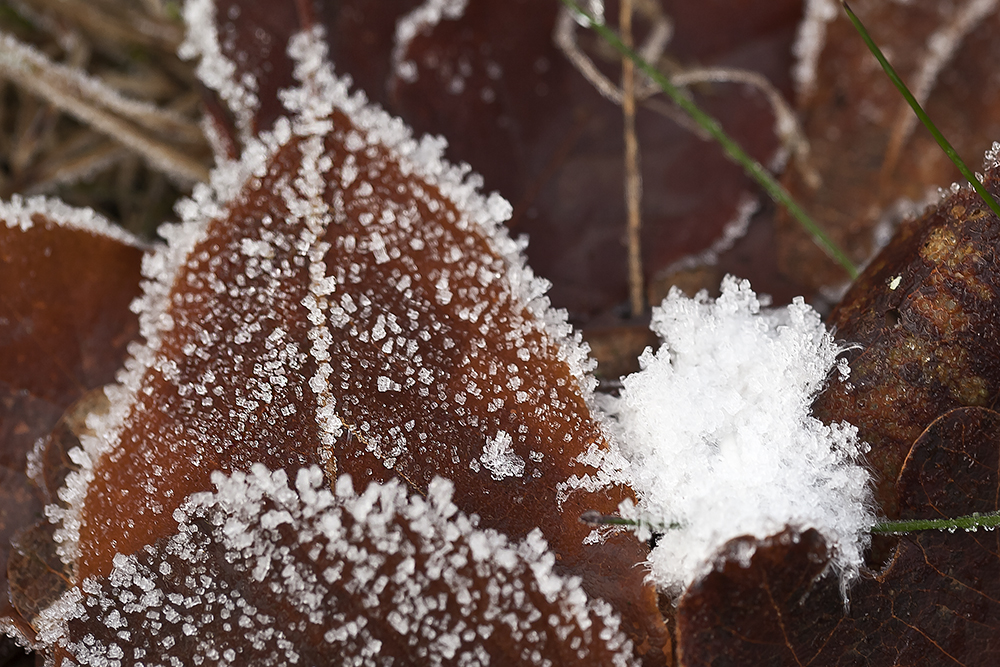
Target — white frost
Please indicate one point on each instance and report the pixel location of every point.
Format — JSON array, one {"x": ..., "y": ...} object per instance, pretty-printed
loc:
[
  {"x": 420, "y": 20},
  {"x": 500, "y": 459},
  {"x": 718, "y": 428}
]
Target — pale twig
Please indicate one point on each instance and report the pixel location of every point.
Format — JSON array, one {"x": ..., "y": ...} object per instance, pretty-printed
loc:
[
  {"x": 733, "y": 150},
  {"x": 786, "y": 124},
  {"x": 95, "y": 104},
  {"x": 118, "y": 25},
  {"x": 633, "y": 179}
]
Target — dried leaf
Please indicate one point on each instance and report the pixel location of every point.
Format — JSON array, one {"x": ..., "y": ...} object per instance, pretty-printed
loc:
[
  {"x": 347, "y": 299},
  {"x": 68, "y": 278},
  {"x": 323, "y": 580},
  {"x": 876, "y": 163},
  {"x": 923, "y": 316}
]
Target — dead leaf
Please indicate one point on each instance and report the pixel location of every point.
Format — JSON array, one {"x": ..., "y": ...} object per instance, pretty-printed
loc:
[
  {"x": 349, "y": 301},
  {"x": 64, "y": 325},
  {"x": 923, "y": 320},
  {"x": 869, "y": 150}
]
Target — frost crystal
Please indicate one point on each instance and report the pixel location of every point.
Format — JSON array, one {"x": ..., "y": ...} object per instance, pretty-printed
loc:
[
  {"x": 717, "y": 425},
  {"x": 290, "y": 573},
  {"x": 422, "y": 19},
  {"x": 499, "y": 457}
]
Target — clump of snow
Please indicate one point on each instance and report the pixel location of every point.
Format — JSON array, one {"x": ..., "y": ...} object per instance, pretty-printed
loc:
[{"x": 718, "y": 429}]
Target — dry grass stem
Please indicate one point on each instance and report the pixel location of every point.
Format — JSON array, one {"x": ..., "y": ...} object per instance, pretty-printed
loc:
[
  {"x": 633, "y": 178},
  {"x": 95, "y": 104}
]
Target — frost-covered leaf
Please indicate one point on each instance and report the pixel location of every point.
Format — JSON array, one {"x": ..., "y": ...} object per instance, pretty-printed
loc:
[
  {"x": 935, "y": 603},
  {"x": 67, "y": 278},
  {"x": 266, "y": 572},
  {"x": 923, "y": 319},
  {"x": 489, "y": 77},
  {"x": 343, "y": 297}
]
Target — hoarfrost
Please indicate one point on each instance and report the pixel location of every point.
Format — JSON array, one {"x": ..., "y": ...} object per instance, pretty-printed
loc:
[
  {"x": 420, "y": 20},
  {"x": 20, "y": 212},
  {"x": 214, "y": 69},
  {"x": 809, "y": 44},
  {"x": 499, "y": 458},
  {"x": 281, "y": 573},
  {"x": 341, "y": 269},
  {"x": 718, "y": 428}
]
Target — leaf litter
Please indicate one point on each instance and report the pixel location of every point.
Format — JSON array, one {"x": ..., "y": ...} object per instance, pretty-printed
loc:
[{"x": 284, "y": 172}]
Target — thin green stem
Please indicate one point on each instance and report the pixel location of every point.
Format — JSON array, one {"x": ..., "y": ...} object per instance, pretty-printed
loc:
[
  {"x": 973, "y": 521},
  {"x": 595, "y": 518},
  {"x": 754, "y": 169},
  {"x": 970, "y": 522},
  {"x": 921, "y": 114}
]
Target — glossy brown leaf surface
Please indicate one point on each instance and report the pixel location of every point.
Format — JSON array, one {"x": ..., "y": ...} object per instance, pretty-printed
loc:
[
  {"x": 64, "y": 326},
  {"x": 935, "y": 603},
  {"x": 871, "y": 153},
  {"x": 924, "y": 317}
]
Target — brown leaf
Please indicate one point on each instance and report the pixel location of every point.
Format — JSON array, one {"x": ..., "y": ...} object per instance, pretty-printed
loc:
[
  {"x": 923, "y": 316},
  {"x": 353, "y": 304},
  {"x": 67, "y": 282},
  {"x": 868, "y": 148},
  {"x": 319, "y": 580},
  {"x": 935, "y": 603}
]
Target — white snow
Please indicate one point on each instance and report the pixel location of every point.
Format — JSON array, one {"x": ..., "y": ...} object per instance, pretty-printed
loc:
[{"x": 718, "y": 429}]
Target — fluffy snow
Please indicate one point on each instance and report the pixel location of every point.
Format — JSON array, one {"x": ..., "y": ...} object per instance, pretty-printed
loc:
[{"x": 718, "y": 430}]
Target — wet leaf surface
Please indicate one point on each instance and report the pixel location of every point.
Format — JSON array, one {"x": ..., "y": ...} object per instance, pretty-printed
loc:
[{"x": 935, "y": 603}]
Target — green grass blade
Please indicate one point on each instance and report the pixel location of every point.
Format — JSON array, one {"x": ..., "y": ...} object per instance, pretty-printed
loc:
[
  {"x": 921, "y": 114},
  {"x": 754, "y": 169},
  {"x": 970, "y": 522}
]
